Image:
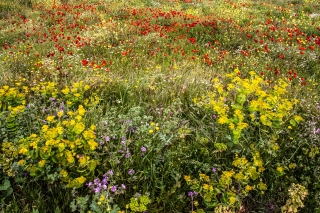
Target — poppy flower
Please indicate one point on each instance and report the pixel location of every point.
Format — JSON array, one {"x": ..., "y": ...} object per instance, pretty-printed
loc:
[{"x": 84, "y": 62}]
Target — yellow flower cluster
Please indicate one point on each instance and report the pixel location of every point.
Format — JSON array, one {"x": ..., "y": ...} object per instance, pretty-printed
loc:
[
  {"x": 48, "y": 89},
  {"x": 153, "y": 127},
  {"x": 248, "y": 101},
  {"x": 64, "y": 143},
  {"x": 75, "y": 93},
  {"x": 245, "y": 173},
  {"x": 12, "y": 99}
]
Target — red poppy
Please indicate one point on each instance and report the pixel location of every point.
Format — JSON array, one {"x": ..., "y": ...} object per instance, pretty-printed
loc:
[{"x": 84, "y": 62}]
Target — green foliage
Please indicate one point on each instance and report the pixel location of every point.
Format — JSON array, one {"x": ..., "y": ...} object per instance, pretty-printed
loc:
[{"x": 179, "y": 106}]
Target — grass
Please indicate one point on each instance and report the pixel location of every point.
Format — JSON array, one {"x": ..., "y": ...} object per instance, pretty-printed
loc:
[{"x": 159, "y": 106}]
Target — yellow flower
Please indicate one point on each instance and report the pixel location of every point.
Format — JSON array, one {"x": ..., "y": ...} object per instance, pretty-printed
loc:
[
  {"x": 65, "y": 91},
  {"x": 93, "y": 145},
  {"x": 42, "y": 163},
  {"x": 63, "y": 173},
  {"x": 205, "y": 186},
  {"x": 83, "y": 160},
  {"x": 81, "y": 179},
  {"x": 232, "y": 200},
  {"x": 280, "y": 170},
  {"x": 23, "y": 150},
  {"x": 50, "y": 118},
  {"x": 262, "y": 186},
  {"x": 60, "y": 130},
  {"x": 60, "y": 113},
  {"x": 150, "y": 131},
  {"x": 34, "y": 145},
  {"x": 223, "y": 120},
  {"x": 231, "y": 126},
  {"x": 81, "y": 110},
  {"x": 21, "y": 162},
  {"x": 93, "y": 127},
  {"x": 78, "y": 128},
  {"x": 202, "y": 176},
  {"x": 298, "y": 118},
  {"x": 187, "y": 178},
  {"x": 248, "y": 188}
]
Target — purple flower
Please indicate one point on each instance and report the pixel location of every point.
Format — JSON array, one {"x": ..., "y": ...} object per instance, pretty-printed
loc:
[
  {"x": 214, "y": 116},
  {"x": 52, "y": 99},
  {"x": 96, "y": 190},
  {"x": 214, "y": 169},
  {"x": 131, "y": 172},
  {"x": 89, "y": 184},
  {"x": 104, "y": 186},
  {"x": 143, "y": 149},
  {"x": 128, "y": 155},
  {"x": 190, "y": 194},
  {"x": 123, "y": 186},
  {"x": 96, "y": 181},
  {"x": 114, "y": 188},
  {"x": 107, "y": 138},
  {"x": 110, "y": 172},
  {"x": 61, "y": 107},
  {"x": 105, "y": 180},
  {"x": 101, "y": 143}
]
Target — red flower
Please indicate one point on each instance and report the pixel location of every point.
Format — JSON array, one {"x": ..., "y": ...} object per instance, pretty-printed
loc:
[
  {"x": 84, "y": 62},
  {"x": 281, "y": 56}
]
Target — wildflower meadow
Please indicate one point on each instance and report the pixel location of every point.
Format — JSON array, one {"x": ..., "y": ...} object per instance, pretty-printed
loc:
[{"x": 174, "y": 106}]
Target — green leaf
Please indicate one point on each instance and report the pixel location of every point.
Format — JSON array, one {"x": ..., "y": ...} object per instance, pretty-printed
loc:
[
  {"x": 9, "y": 191},
  {"x": 237, "y": 106},
  {"x": 293, "y": 122},
  {"x": 5, "y": 185},
  {"x": 92, "y": 165},
  {"x": 115, "y": 209},
  {"x": 241, "y": 98},
  {"x": 54, "y": 159},
  {"x": 44, "y": 156}
]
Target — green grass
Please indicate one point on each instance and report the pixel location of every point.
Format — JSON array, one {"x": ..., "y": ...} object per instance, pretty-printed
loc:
[{"x": 171, "y": 96}]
